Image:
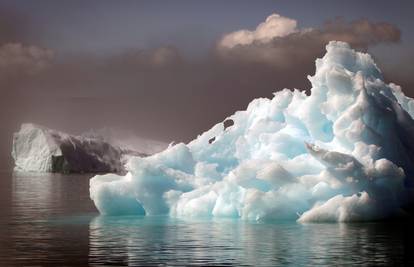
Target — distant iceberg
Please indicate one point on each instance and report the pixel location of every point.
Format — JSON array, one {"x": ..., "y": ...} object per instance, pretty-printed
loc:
[
  {"x": 343, "y": 153},
  {"x": 39, "y": 149},
  {"x": 126, "y": 140}
]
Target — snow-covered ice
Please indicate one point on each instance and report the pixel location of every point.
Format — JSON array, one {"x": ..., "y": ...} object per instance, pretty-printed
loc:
[{"x": 343, "y": 153}]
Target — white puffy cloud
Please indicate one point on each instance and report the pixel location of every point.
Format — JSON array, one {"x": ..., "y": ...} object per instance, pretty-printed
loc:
[{"x": 274, "y": 26}]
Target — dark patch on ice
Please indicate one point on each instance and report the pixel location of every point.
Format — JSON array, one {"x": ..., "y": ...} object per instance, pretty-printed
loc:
[{"x": 228, "y": 123}]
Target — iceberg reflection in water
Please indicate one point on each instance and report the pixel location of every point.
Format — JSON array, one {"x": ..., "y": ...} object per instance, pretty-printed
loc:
[{"x": 163, "y": 240}]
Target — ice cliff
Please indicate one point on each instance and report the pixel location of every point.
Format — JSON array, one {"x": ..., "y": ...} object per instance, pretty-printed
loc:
[
  {"x": 343, "y": 153},
  {"x": 39, "y": 149}
]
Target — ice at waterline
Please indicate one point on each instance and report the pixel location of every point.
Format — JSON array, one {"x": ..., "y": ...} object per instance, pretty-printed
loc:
[{"x": 343, "y": 153}]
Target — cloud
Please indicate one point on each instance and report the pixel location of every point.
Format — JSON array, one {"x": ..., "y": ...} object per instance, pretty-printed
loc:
[
  {"x": 274, "y": 26},
  {"x": 145, "y": 59},
  {"x": 278, "y": 41},
  {"x": 163, "y": 56},
  {"x": 18, "y": 59}
]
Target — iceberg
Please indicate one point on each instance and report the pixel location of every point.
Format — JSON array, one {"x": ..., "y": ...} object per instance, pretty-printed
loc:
[
  {"x": 39, "y": 149},
  {"x": 342, "y": 153},
  {"x": 127, "y": 140}
]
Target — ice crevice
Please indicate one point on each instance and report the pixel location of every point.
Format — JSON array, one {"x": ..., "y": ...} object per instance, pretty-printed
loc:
[{"x": 342, "y": 153}]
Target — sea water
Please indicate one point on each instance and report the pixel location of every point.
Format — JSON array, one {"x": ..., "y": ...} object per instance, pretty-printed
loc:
[{"x": 49, "y": 220}]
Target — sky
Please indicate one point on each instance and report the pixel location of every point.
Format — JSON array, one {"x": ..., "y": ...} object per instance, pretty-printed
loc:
[{"x": 169, "y": 70}]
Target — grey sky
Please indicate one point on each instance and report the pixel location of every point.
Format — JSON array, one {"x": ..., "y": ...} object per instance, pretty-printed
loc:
[
  {"x": 153, "y": 67},
  {"x": 108, "y": 26}
]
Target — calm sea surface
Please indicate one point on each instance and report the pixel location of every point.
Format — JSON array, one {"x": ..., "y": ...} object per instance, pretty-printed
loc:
[{"x": 49, "y": 220}]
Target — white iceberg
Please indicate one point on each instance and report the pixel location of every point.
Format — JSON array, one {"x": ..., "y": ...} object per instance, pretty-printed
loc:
[
  {"x": 39, "y": 149},
  {"x": 343, "y": 153}
]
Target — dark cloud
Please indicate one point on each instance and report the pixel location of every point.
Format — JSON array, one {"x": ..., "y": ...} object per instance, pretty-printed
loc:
[{"x": 361, "y": 33}]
